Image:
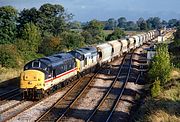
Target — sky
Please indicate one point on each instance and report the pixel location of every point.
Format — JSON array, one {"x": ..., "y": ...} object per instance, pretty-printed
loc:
[{"x": 86, "y": 10}]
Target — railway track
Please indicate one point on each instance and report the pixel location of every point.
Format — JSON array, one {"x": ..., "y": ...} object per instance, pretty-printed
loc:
[
  {"x": 13, "y": 111},
  {"x": 14, "y": 94},
  {"x": 59, "y": 110},
  {"x": 9, "y": 94},
  {"x": 62, "y": 106},
  {"x": 16, "y": 109},
  {"x": 106, "y": 106}
]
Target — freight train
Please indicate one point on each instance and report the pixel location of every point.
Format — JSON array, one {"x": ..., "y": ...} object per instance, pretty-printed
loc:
[{"x": 43, "y": 75}]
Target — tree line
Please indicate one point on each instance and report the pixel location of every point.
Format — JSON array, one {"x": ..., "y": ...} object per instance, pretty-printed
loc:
[
  {"x": 140, "y": 25},
  {"x": 33, "y": 33}
]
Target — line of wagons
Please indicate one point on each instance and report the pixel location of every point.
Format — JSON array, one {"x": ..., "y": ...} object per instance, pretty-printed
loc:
[{"x": 43, "y": 75}]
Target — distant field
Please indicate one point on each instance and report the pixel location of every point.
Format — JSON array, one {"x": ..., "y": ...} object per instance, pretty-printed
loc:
[
  {"x": 107, "y": 32},
  {"x": 132, "y": 32}
]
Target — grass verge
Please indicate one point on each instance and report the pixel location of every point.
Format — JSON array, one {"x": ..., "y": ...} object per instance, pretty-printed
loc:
[{"x": 165, "y": 107}]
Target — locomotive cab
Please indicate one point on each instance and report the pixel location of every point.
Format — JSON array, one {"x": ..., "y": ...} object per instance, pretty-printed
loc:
[
  {"x": 44, "y": 75},
  {"x": 32, "y": 79}
]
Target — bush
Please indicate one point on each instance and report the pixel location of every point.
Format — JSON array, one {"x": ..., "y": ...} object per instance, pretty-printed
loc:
[
  {"x": 177, "y": 38},
  {"x": 161, "y": 66},
  {"x": 117, "y": 34},
  {"x": 72, "y": 40},
  {"x": 9, "y": 56},
  {"x": 50, "y": 45},
  {"x": 155, "y": 90}
]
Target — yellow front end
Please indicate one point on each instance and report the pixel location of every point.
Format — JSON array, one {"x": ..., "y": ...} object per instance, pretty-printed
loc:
[
  {"x": 32, "y": 79},
  {"x": 32, "y": 84},
  {"x": 78, "y": 65}
]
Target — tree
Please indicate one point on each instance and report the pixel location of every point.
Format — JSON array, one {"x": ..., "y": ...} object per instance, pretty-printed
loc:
[
  {"x": 8, "y": 16},
  {"x": 149, "y": 23},
  {"x": 131, "y": 26},
  {"x": 95, "y": 29},
  {"x": 156, "y": 88},
  {"x": 177, "y": 38},
  {"x": 122, "y": 22},
  {"x": 157, "y": 23},
  {"x": 160, "y": 67},
  {"x": 53, "y": 19},
  {"x": 110, "y": 24},
  {"x": 172, "y": 23},
  {"x": 143, "y": 26},
  {"x": 65, "y": 42},
  {"x": 72, "y": 40},
  {"x": 154, "y": 23},
  {"x": 164, "y": 23},
  {"x": 139, "y": 21},
  {"x": 9, "y": 56},
  {"x": 27, "y": 16},
  {"x": 32, "y": 36},
  {"x": 50, "y": 45},
  {"x": 117, "y": 34},
  {"x": 88, "y": 38},
  {"x": 75, "y": 25}
]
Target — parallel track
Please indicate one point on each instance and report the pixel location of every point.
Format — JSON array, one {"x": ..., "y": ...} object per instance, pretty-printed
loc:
[
  {"x": 61, "y": 107},
  {"x": 73, "y": 94},
  {"x": 113, "y": 95},
  {"x": 14, "y": 113},
  {"x": 29, "y": 105},
  {"x": 8, "y": 94},
  {"x": 119, "y": 117}
]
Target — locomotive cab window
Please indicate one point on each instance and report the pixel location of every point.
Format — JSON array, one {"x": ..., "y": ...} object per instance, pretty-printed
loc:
[{"x": 36, "y": 64}]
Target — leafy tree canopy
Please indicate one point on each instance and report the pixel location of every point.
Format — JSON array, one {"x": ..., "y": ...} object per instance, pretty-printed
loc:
[
  {"x": 8, "y": 16},
  {"x": 94, "y": 29},
  {"x": 161, "y": 66},
  {"x": 117, "y": 34}
]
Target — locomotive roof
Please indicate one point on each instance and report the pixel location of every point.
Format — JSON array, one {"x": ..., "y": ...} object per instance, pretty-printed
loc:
[{"x": 55, "y": 59}]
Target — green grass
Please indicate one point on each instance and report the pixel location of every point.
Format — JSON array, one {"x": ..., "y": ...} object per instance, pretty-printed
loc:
[
  {"x": 107, "y": 32},
  {"x": 166, "y": 106},
  {"x": 9, "y": 73}
]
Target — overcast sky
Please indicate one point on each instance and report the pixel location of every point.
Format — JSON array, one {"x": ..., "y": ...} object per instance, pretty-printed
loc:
[{"x": 85, "y": 10}]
